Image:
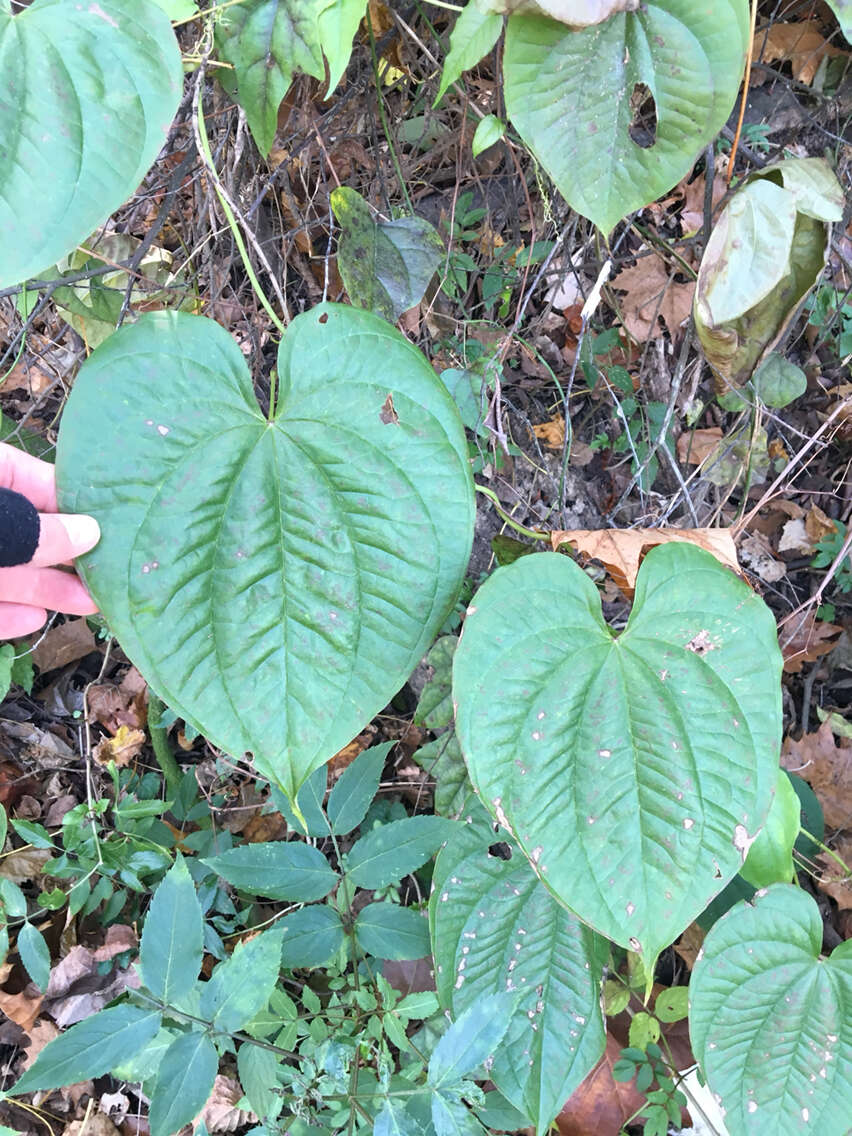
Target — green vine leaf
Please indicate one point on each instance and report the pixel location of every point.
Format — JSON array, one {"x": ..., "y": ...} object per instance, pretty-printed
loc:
[
  {"x": 275, "y": 581},
  {"x": 569, "y": 92},
  {"x": 771, "y": 1018},
  {"x": 87, "y": 97},
  {"x": 634, "y": 771},
  {"x": 184, "y": 1082},
  {"x": 474, "y": 33},
  {"x": 495, "y": 928},
  {"x": 268, "y": 41}
]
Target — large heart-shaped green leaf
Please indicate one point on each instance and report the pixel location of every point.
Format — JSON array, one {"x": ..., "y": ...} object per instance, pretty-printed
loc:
[
  {"x": 771, "y": 1019},
  {"x": 87, "y": 94},
  {"x": 275, "y": 581},
  {"x": 634, "y": 770},
  {"x": 495, "y": 928},
  {"x": 569, "y": 91}
]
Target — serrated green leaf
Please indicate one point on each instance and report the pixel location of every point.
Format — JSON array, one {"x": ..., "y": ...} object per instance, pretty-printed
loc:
[
  {"x": 471, "y": 1039},
  {"x": 635, "y": 738},
  {"x": 355, "y": 788},
  {"x": 495, "y": 928},
  {"x": 258, "y": 1070},
  {"x": 267, "y": 42},
  {"x": 391, "y": 932},
  {"x": 144, "y": 1064},
  {"x": 311, "y": 936},
  {"x": 171, "y": 946},
  {"x": 568, "y": 93},
  {"x": 184, "y": 1082},
  {"x": 490, "y": 130},
  {"x": 771, "y": 1020},
  {"x": 770, "y": 858},
  {"x": 305, "y": 564},
  {"x": 474, "y": 34},
  {"x": 451, "y": 1117},
  {"x": 293, "y": 871},
  {"x": 90, "y": 1048},
  {"x": 311, "y": 820},
  {"x": 394, "y": 850},
  {"x": 385, "y": 265},
  {"x": 240, "y": 987},
  {"x": 35, "y": 955},
  {"x": 435, "y": 706},
  {"x": 394, "y": 1119},
  {"x": 88, "y": 95}
]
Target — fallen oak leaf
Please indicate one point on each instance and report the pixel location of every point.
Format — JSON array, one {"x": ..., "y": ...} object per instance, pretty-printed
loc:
[
  {"x": 807, "y": 639},
  {"x": 621, "y": 550},
  {"x": 827, "y": 767},
  {"x": 650, "y": 291},
  {"x": 801, "y": 43}
]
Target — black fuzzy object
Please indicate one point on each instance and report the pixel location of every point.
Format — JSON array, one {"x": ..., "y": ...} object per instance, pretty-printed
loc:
[{"x": 19, "y": 529}]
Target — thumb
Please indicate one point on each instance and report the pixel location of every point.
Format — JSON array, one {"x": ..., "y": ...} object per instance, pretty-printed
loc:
[{"x": 64, "y": 536}]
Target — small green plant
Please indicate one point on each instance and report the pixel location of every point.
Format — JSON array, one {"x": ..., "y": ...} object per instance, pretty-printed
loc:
[
  {"x": 828, "y": 549},
  {"x": 830, "y": 310}
]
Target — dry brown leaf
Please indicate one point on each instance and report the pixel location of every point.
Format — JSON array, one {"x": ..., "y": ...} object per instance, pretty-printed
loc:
[
  {"x": 621, "y": 550},
  {"x": 756, "y": 555},
  {"x": 648, "y": 293},
  {"x": 826, "y": 765},
  {"x": 122, "y": 705},
  {"x": 692, "y": 214},
  {"x": 834, "y": 880},
  {"x": 696, "y": 445},
  {"x": 806, "y": 639},
  {"x": 601, "y": 1105},
  {"x": 122, "y": 749},
  {"x": 818, "y": 525},
  {"x": 689, "y": 944},
  {"x": 29, "y": 376},
  {"x": 801, "y": 43},
  {"x": 794, "y": 537},
  {"x": 21, "y": 1008},
  {"x": 93, "y": 1124},
  {"x": 221, "y": 1114},
  {"x": 65, "y": 644},
  {"x": 23, "y": 865},
  {"x": 552, "y": 433}
]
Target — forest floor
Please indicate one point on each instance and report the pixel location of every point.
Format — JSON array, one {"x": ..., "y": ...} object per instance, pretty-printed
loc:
[{"x": 778, "y": 478}]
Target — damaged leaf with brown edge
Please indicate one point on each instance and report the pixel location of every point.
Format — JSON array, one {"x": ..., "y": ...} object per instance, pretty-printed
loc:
[
  {"x": 765, "y": 254},
  {"x": 385, "y": 265}
]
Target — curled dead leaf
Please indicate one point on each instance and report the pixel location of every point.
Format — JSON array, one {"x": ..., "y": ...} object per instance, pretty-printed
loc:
[
  {"x": 122, "y": 749},
  {"x": 800, "y": 42},
  {"x": 552, "y": 433},
  {"x": 621, "y": 550}
]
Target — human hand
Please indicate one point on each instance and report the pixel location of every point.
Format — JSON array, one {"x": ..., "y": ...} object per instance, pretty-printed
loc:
[{"x": 40, "y": 537}]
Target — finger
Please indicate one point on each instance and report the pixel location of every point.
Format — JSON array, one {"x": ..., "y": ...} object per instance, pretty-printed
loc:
[
  {"x": 28, "y": 475},
  {"x": 46, "y": 587},
  {"x": 64, "y": 536},
  {"x": 17, "y": 620}
]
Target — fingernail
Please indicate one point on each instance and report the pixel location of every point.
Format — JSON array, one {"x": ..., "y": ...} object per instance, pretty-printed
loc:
[{"x": 83, "y": 532}]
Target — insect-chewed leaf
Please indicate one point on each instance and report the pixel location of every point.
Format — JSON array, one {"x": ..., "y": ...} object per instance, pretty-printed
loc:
[
  {"x": 496, "y": 928},
  {"x": 88, "y": 94},
  {"x": 771, "y": 1020},
  {"x": 276, "y": 581},
  {"x": 634, "y": 770},
  {"x": 569, "y": 92}
]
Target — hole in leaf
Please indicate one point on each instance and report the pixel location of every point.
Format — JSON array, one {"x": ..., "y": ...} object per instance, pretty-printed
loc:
[
  {"x": 643, "y": 117},
  {"x": 500, "y": 851},
  {"x": 324, "y": 318}
]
